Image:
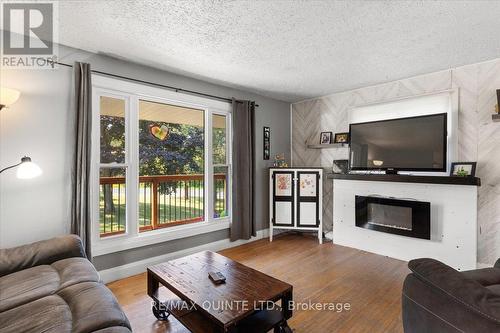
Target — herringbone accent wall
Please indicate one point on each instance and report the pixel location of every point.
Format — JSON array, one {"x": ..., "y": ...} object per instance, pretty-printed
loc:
[{"x": 478, "y": 136}]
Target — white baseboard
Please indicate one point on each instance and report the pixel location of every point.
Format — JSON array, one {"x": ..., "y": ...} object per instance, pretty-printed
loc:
[{"x": 138, "y": 267}]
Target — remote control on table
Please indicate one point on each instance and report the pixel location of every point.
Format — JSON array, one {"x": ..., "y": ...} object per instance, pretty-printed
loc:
[{"x": 217, "y": 277}]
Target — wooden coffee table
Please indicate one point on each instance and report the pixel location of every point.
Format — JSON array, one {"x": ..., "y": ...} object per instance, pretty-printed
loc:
[{"x": 246, "y": 302}]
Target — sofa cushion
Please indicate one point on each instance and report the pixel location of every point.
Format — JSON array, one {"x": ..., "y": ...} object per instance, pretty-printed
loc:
[
  {"x": 457, "y": 287},
  {"x": 27, "y": 285},
  {"x": 93, "y": 307},
  {"x": 485, "y": 276},
  {"x": 75, "y": 270},
  {"x": 33, "y": 283},
  {"x": 40, "y": 253},
  {"x": 50, "y": 314},
  {"x": 49, "y": 286},
  {"x": 494, "y": 288}
]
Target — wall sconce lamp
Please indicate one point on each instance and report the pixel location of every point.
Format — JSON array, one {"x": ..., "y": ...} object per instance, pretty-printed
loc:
[
  {"x": 8, "y": 97},
  {"x": 27, "y": 169}
]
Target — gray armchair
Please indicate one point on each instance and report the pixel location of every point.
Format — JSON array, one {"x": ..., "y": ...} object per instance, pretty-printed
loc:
[{"x": 437, "y": 298}]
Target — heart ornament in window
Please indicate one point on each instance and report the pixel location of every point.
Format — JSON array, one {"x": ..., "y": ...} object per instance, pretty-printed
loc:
[{"x": 159, "y": 132}]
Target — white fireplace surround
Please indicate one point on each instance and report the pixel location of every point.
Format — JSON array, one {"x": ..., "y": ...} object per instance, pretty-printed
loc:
[
  {"x": 453, "y": 221},
  {"x": 453, "y": 207}
]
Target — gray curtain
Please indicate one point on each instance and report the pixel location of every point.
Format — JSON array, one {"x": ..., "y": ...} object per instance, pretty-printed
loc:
[
  {"x": 80, "y": 203},
  {"x": 243, "y": 217}
]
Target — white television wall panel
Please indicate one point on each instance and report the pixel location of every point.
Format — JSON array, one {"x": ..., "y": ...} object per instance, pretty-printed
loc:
[
  {"x": 403, "y": 108},
  {"x": 453, "y": 222}
]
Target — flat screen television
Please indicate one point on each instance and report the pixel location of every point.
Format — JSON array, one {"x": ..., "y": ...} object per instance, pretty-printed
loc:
[{"x": 403, "y": 144}]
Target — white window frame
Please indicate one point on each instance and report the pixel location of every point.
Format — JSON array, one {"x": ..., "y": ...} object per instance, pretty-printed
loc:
[
  {"x": 133, "y": 92},
  {"x": 229, "y": 159}
]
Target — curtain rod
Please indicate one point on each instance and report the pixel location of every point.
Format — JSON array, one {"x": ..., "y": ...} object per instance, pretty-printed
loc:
[{"x": 186, "y": 91}]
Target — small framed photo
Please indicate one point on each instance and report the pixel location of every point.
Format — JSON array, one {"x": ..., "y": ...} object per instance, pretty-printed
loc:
[
  {"x": 463, "y": 169},
  {"x": 498, "y": 101},
  {"x": 325, "y": 138},
  {"x": 341, "y": 138}
]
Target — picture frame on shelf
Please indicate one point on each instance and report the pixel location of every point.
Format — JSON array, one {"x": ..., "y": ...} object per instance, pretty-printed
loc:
[
  {"x": 342, "y": 138},
  {"x": 463, "y": 169},
  {"x": 325, "y": 138},
  {"x": 498, "y": 101}
]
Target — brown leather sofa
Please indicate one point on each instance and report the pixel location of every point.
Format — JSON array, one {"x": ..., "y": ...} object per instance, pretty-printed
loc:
[
  {"x": 50, "y": 286},
  {"x": 437, "y": 298}
]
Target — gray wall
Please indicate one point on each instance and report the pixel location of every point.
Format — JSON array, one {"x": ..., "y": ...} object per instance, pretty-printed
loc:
[
  {"x": 150, "y": 251},
  {"x": 40, "y": 125}
]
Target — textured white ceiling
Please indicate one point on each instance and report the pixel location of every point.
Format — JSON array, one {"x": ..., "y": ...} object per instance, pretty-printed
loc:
[{"x": 288, "y": 50}]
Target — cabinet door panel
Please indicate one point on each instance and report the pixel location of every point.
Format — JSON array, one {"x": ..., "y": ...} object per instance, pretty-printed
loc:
[
  {"x": 283, "y": 198},
  {"x": 308, "y": 214},
  {"x": 283, "y": 184},
  {"x": 308, "y": 184},
  {"x": 308, "y": 199},
  {"x": 283, "y": 213}
]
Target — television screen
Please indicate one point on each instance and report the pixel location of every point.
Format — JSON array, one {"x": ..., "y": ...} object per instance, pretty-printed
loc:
[{"x": 407, "y": 144}]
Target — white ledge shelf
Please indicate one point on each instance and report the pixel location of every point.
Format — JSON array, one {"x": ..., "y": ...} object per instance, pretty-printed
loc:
[{"x": 328, "y": 146}]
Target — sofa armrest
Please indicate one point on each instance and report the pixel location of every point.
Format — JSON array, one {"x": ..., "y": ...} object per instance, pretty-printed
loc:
[
  {"x": 469, "y": 293},
  {"x": 40, "y": 253},
  {"x": 497, "y": 264}
]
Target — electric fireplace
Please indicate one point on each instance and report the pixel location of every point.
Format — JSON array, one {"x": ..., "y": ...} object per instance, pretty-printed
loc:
[{"x": 409, "y": 218}]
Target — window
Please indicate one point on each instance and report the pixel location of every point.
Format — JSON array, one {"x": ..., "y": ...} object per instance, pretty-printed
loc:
[
  {"x": 221, "y": 166},
  {"x": 112, "y": 171},
  {"x": 171, "y": 165},
  {"x": 161, "y": 161}
]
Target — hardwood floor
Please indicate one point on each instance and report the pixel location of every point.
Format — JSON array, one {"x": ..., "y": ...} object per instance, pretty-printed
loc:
[{"x": 369, "y": 283}]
